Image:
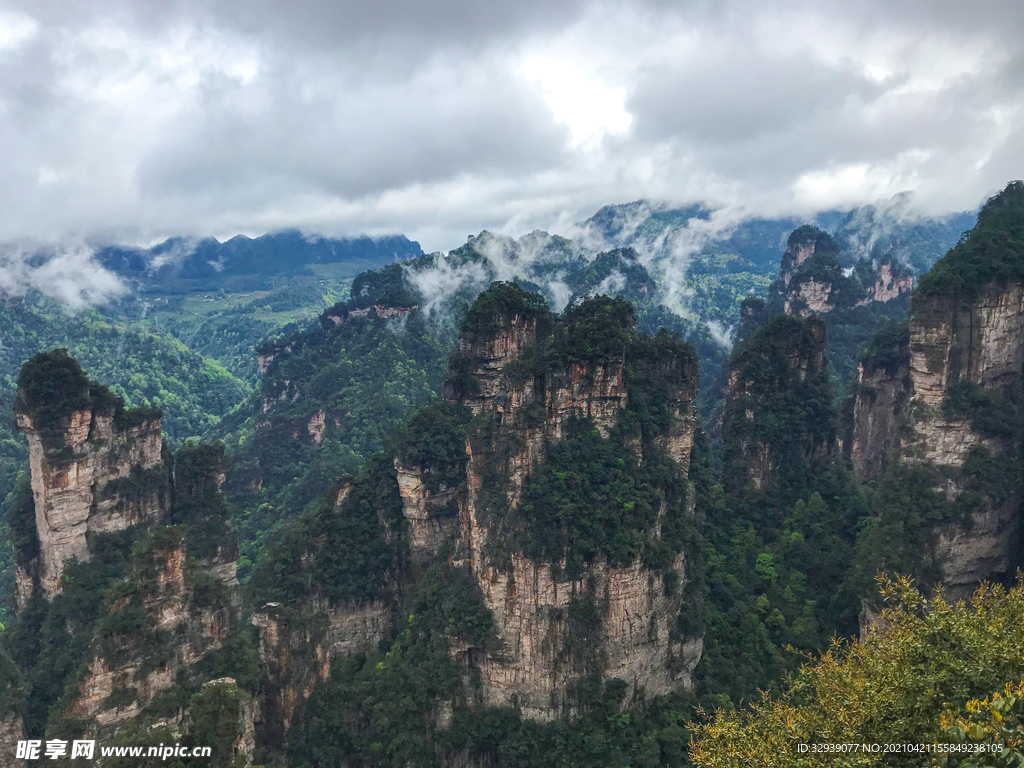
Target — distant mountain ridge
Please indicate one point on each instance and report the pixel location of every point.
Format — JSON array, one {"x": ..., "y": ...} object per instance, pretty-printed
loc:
[
  {"x": 875, "y": 230},
  {"x": 284, "y": 253}
]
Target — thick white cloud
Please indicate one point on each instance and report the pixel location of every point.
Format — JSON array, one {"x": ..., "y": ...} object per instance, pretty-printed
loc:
[{"x": 137, "y": 120}]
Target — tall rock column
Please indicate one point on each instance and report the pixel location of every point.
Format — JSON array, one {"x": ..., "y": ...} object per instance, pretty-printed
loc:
[
  {"x": 96, "y": 468},
  {"x": 778, "y": 411},
  {"x": 947, "y": 397},
  {"x": 608, "y": 620}
]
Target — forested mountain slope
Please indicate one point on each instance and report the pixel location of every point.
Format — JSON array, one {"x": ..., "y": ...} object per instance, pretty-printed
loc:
[
  {"x": 143, "y": 367},
  {"x": 471, "y": 514}
]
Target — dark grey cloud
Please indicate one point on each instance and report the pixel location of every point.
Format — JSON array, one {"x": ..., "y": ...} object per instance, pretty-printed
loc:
[{"x": 137, "y": 119}]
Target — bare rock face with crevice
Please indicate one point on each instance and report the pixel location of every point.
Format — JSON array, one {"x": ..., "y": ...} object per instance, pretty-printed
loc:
[
  {"x": 102, "y": 477},
  {"x": 432, "y": 515},
  {"x": 975, "y": 342},
  {"x": 130, "y": 669},
  {"x": 980, "y": 342},
  {"x": 880, "y": 402},
  {"x": 553, "y": 629}
]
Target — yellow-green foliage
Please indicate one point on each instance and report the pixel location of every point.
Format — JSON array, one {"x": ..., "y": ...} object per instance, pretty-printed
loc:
[
  {"x": 997, "y": 722},
  {"x": 925, "y": 658}
]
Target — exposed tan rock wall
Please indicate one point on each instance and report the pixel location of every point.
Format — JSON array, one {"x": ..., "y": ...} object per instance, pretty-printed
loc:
[
  {"x": 537, "y": 664},
  {"x": 540, "y": 658},
  {"x": 488, "y": 355},
  {"x": 794, "y": 256},
  {"x": 296, "y": 649},
  {"x": 889, "y": 286},
  {"x": 430, "y": 514},
  {"x": 809, "y": 297},
  {"x": 879, "y": 418},
  {"x": 77, "y": 490},
  {"x": 980, "y": 341},
  {"x": 952, "y": 340},
  {"x": 189, "y": 630}
]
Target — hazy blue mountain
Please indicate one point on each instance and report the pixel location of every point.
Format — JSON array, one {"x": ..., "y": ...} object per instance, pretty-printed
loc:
[{"x": 246, "y": 263}]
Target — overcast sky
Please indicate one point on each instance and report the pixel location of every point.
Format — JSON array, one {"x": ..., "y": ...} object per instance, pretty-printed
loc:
[{"x": 137, "y": 120}]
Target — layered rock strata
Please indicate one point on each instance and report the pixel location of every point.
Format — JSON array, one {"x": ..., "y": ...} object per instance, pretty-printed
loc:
[
  {"x": 977, "y": 343},
  {"x": 519, "y": 417},
  {"x": 130, "y": 670},
  {"x": 104, "y": 477}
]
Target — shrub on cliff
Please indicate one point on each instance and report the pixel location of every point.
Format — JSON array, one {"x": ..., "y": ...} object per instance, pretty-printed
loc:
[
  {"x": 822, "y": 240},
  {"x": 434, "y": 439},
  {"x": 502, "y": 300},
  {"x": 52, "y": 386},
  {"x": 338, "y": 552},
  {"x": 990, "y": 254},
  {"x": 889, "y": 348},
  {"x": 13, "y": 690},
  {"x": 198, "y": 502}
]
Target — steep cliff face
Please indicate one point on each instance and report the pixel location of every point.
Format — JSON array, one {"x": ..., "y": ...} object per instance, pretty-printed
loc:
[
  {"x": 432, "y": 514},
  {"x": 892, "y": 281},
  {"x": 328, "y": 591},
  {"x": 551, "y": 484},
  {"x": 809, "y": 270},
  {"x": 810, "y": 296},
  {"x": 979, "y": 341},
  {"x": 966, "y": 366},
  {"x": 765, "y": 435},
  {"x": 812, "y": 280},
  {"x": 296, "y": 649},
  {"x": 165, "y": 617},
  {"x": 126, "y": 560},
  {"x": 523, "y": 405},
  {"x": 95, "y": 468},
  {"x": 950, "y": 395},
  {"x": 881, "y": 396}
]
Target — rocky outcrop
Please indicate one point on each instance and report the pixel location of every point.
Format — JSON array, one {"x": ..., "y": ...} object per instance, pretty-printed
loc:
[
  {"x": 135, "y": 660},
  {"x": 808, "y": 297},
  {"x": 979, "y": 343},
  {"x": 433, "y": 516},
  {"x": 546, "y": 649},
  {"x": 783, "y": 362},
  {"x": 522, "y": 384},
  {"x": 296, "y": 648},
  {"x": 316, "y": 425},
  {"x": 264, "y": 361},
  {"x": 892, "y": 282},
  {"x": 106, "y": 473},
  {"x": 948, "y": 398},
  {"x": 154, "y": 550},
  {"x": 553, "y": 629},
  {"x": 484, "y": 357},
  {"x": 881, "y": 396},
  {"x": 803, "y": 243},
  {"x": 812, "y": 279}
]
